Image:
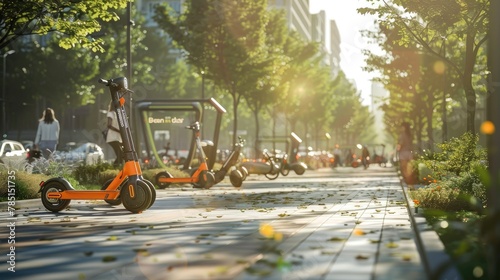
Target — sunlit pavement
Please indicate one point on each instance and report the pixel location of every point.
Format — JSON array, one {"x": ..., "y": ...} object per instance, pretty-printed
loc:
[{"x": 326, "y": 224}]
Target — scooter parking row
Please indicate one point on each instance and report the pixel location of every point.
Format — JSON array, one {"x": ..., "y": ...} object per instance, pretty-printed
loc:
[{"x": 136, "y": 193}]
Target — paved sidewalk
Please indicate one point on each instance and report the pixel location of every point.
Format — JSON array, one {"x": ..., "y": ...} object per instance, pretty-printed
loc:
[{"x": 328, "y": 224}]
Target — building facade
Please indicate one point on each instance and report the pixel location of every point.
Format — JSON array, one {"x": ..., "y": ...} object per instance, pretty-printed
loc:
[{"x": 334, "y": 48}]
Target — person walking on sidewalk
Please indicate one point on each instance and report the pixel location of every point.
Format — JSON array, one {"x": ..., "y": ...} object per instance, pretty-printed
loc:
[
  {"x": 365, "y": 157},
  {"x": 336, "y": 156},
  {"x": 405, "y": 152},
  {"x": 47, "y": 134},
  {"x": 114, "y": 138}
]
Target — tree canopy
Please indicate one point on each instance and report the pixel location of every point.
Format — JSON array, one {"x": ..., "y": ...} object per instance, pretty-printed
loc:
[
  {"x": 453, "y": 31},
  {"x": 75, "y": 21}
]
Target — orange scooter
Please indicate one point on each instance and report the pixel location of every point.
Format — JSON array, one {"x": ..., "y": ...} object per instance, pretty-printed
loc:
[
  {"x": 202, "y": 177},
  {"x": 128, "y": 187}
]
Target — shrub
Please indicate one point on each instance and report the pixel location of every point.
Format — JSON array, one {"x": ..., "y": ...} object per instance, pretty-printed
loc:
[
  {"x": 456, "y": 156},
  {"x": 441, "y": 197},
  {"x": 91, "y": 174},
  {"x": 27, "y": 185},
  {"x": 453, "y": 175},
  {"x": 49, "y": 167},
  {"x": 460, "y": 232}
]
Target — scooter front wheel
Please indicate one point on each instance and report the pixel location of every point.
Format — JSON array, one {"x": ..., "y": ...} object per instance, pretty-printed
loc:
[
  {"x": 236, "y": 178},
  {"x": 116, "y": 201},
  {"x": 206, "y": 179},
  {"x": 51, "y": 204},
  {"x": 285, "y": 171},
  {"x": 136, "y": 199},
  {"x": 244, "y": 172},
  {"x": 161, "y": 179},
  {"x": 274, "y": 172},
  {"x": 272, "y": 176},
  {"x": 300, "y": 168}
]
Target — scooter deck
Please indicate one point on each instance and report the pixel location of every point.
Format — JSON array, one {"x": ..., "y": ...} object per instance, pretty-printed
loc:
[
  {"x": 189, "y": 180},
  {"x": 85, "y": 195}
]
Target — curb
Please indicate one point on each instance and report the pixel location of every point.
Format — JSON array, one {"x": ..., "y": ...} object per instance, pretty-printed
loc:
[
  {"x": 24, "y": 203},
  {"x": 437, "y": 263}
]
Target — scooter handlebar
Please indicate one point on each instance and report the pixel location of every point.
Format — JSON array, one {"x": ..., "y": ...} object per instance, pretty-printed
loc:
[
  {"x": 103, "y": 81},
  {"x": 106, "y": 82}
]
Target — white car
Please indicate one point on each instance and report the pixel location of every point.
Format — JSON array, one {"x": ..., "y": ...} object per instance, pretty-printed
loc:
[
  {"x": 12, "y": 152},
  {"x": 88, "y": 153}
]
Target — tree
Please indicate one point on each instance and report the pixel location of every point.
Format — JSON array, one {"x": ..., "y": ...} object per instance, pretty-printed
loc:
[
  {"x": 43, "y": 74},
  {"x": 408, "y": 74},
  {"x": 269, "y": 87},
  {"x": 429, "y": 23},
  {"x": 223, "y": 38},
  {"x": 301, "y": 54},
  {"x": 48, "y": 77},
  {"x": 76, "y": 21},
  {"x": 352, "y": 122}
]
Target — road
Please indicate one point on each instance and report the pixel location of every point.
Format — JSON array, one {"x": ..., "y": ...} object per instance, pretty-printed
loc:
[{"x": 326, "y": 224}]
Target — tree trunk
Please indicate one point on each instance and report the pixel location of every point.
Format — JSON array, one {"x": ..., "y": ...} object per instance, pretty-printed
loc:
[
  {"x": 235, "y": 115},
  {"x": 429, "y": 109},
  {"x": 257, "y": 131},
  {"x": 470, "y": 94}
]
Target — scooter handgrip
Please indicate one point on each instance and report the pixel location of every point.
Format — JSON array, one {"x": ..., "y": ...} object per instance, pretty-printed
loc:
[{"x": 103, "y": 81}]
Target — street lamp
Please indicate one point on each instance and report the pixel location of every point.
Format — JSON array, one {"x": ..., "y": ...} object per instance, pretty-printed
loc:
[
  {"x": 328, "y": 137},
  {"x": 4, "y": 115},
  {"x": 203, "y": 97}
]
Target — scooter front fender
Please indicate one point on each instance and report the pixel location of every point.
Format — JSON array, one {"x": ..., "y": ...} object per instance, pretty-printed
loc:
[{"x": 61, "y": 180}]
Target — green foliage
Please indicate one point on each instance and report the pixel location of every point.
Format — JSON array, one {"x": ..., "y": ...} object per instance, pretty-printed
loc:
[
  {"x": 460, "y": 153},
  {"x": 76, "y": 20},
  {"x": 456, "y": 156},
  {"x": 49, "y": 168},
  {"x": 26, "y": 185},
  {"x": 442, "y": 198},
  {"x": 90, "y": 174},
  {"x": 460, "y": 232},
  {"x": 417, "y": 30},
  {"x": 456, "y": 179},
  {"x": 225, "y": 40}
]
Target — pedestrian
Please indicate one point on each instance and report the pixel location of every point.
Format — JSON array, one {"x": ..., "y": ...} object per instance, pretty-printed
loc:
[
  {"x": 349, "y": 158},
  {"x": 365, "y": 157},
  {"x": 167, "y": 148},
  {"x": 405, "y": 153},
  {"x": 47, "y": 134},
  {"x": 336, "y": 156},
  {"x": 114, "y": 138}
]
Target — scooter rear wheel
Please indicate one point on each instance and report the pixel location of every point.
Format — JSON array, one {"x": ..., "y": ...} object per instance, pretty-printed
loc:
[
  {"x": 117, "y": 201},
  {"x": 54, "y": 205},
  {"x": 160, "y": 177},
  {"x": 153, "y": 192},
  {"x": 136, "y": 199}
]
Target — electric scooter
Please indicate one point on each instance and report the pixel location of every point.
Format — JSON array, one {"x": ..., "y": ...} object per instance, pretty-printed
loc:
[
  {"x": 237, "y": 174},
  {"x": 271, "y": 168},
  {"x": 298, "y": 167},
  {"x": 202, "y": 177},
  {"x": 285, "y": 161},
  {"x": 293, "y": 164},
  {"x": 128, "y": 187}
]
